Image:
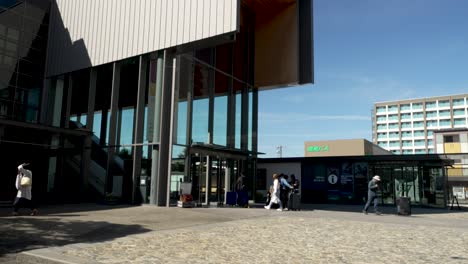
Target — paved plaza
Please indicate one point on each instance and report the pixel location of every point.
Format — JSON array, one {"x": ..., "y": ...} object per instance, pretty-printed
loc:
[{"x": 147, "y": 234}]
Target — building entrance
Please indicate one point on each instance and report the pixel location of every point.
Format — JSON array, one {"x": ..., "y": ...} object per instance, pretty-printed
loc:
[{"x": 212, "y": 176}]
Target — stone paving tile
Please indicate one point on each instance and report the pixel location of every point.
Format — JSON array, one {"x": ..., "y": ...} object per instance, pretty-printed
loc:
[
  {"x": 281, "y": 238},
  {"x": 150, "y": 234}
]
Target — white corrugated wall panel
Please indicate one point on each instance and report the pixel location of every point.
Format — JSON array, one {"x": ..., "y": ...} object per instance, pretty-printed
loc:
[
  {"x": 163, "y": 21},
  {"x": 234, "y": 6},
  {"x": 157, "y": 25},
  {"x": 206, "y": 18},
  {"x": 213, "y": 16},
  {"x": 220, "y": 18},
  {"x": 181, "y": 20},
  {"x": 169, "y": 22},
  {"x": 199, "y": 20},
  {"x": 93, "y": 32},
  {"x": 147, "y": 30},
  {"x": 193, "y": 20},
  {"x": 175, "y": 22}
]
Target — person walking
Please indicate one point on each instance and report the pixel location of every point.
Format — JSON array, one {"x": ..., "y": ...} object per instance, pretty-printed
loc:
[
  {"x": 24, "y": 185},
  {"x": 285, "y": 188},
  {"x": 294, "y": 183},
  {"x": 372, "y": 196},
  {"x": 275, "y": 194}
]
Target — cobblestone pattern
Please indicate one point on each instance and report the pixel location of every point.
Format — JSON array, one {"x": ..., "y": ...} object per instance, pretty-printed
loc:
[{"x": 281, "y": 237}]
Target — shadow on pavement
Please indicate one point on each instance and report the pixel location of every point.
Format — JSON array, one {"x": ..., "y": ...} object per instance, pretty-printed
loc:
[
  {"x": 387, "y": 209},
  {"x": 26, "y": 233},
  {"x": 59, "y": 209}
]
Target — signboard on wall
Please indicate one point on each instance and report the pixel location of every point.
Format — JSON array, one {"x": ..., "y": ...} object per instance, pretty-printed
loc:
[
  {"x": 360, "y": 180},
  {"x": 334, "y": 183},
  {"x": 347, "y": 181}
]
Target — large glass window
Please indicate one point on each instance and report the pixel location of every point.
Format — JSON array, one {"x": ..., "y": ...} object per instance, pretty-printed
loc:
[
  {"x": 381, "y": 109},
  {"x": 444, "y": 123},
  {"x": 444, "y": 103},
  {"x": 392, "y": 108},
  {"x": 419, "y": 133},
  {"x": 238, "y": 132},
  {"x": 418, "y": 124},
  {"x": 431, "y": 114},
  {"x": 394, "y": 134},
  {"x": 381, "y": 118},
  {"x": 23, "y": 43},
  {"x": 185, "y": 85},
  {"x": 431, "y": 105},
  {"x": 407, "y": 143},
  {"x": 418, "y": 115},
  {"x": 459, "y": 121},
  {"x": 459, "y": 112},
  {"x": 381, "y": 135},
  {"x": 102, "y": 103},
  {"x": 419, "y": 143},
  {"x": 383, "y": 144},
  {"x": 406, "y": 134},
  {"x": 417, "y": 106},
  {"x": 382, "y": 127},
  {"x": 458, "y": 102},
  {"x": 405, "y": 116},
  {"x": 405, "y": 107},
  {"x": 201, "y": 99},
  {"x": 406, "y": 125},
  {"x": 79, "y": 103},
  {"x": 393, "y": 117},
  {"x": 222, "y": 83},
  {"x": 444, "y": 113},
  {"x": 432, "y": 123}
]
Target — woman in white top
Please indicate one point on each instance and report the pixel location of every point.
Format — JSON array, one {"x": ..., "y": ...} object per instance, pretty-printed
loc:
[
  {"x": 23, "y": 197},
  {"x": 275, "y": 194}
]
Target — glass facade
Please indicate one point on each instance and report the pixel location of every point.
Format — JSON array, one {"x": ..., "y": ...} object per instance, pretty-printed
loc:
[
  {"x": 135, "y": 128},
  {"x": 23, "y": 43},
  {"x": 198, "y": 105},
  {"x": 424, "y": 181}
]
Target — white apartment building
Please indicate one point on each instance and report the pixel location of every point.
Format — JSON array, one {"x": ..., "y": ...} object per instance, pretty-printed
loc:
[{"x": 407, "y": 126}]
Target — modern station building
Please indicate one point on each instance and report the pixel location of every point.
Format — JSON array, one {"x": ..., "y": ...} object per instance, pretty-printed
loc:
[{"x": 127, "y": 99}]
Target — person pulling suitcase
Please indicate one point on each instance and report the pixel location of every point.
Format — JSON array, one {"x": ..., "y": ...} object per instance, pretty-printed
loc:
[{"x": 294, "y": 201}]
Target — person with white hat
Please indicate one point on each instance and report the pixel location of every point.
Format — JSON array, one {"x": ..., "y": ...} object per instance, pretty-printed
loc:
[{"x": 372, "y": 196}]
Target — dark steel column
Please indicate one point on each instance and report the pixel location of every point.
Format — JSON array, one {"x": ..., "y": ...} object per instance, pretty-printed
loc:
[
  {"x": 86, "y": 161},
  {"x": 113, "y": 125},
  {"x": 139, "y": 126},
  {"x": 154, "y": 190},
  {"x": 189, "y": 66},
  {"x": 165, "y": 146},
  {"x": 69, "y": 87}
]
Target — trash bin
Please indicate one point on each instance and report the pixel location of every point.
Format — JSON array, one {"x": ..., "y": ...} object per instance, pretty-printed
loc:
[{"x": 404, "y": 205}]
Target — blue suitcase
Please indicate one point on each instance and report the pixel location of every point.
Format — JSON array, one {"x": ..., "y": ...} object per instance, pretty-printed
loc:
[
  {"x": 231, "y": 198},
  {"x": 243, "y": 199}
]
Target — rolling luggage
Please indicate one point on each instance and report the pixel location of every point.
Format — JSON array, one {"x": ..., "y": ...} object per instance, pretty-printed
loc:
[
  {"x": 242, "y": 199},
  {"x": 294, "y": 202},
  {"x": 231, "y": 198}
]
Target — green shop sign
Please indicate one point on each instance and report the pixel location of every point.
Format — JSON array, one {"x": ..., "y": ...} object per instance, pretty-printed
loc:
[{"x": 317, "y": 148}]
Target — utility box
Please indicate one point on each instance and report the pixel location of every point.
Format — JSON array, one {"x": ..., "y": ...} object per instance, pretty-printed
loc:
[{"x": 403, "y": 205}]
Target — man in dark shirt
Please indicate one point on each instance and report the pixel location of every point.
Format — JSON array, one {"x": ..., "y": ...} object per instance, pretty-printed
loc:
[{"x": 373, "y": 187}]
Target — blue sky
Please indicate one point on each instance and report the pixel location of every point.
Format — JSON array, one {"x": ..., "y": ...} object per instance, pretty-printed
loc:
[{"x": 367, "y": 51}]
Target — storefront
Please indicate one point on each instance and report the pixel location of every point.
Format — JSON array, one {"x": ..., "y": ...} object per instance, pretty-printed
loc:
[{"x": 423, "y": 178}]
